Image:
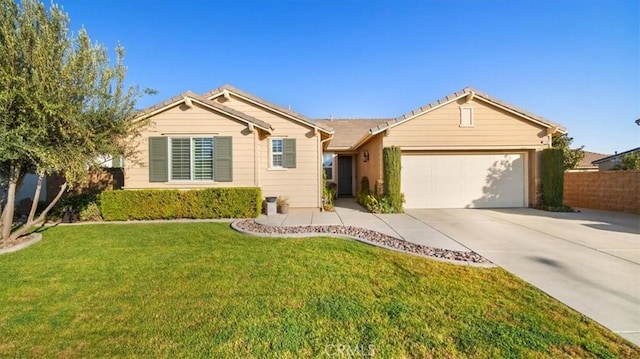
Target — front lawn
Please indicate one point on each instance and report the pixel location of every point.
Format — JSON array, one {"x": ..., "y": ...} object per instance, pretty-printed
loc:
[{"x": 202, "y": 290}]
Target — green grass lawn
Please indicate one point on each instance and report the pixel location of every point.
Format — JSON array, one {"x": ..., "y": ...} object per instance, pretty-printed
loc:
[{"x": 203, "y": 290}]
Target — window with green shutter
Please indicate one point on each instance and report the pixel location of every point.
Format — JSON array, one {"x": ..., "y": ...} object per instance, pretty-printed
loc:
[
  {"x": 190, "y": 159},
  {"x": 283, "y": 153}
]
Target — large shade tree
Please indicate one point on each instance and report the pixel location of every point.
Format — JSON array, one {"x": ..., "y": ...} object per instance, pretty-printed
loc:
[{"x": 63, "y": 103}]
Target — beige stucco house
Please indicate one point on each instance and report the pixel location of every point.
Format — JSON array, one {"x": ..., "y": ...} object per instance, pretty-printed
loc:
[
  {"x": 465, "y": 150},
  {"x": 228, "y": 138}
]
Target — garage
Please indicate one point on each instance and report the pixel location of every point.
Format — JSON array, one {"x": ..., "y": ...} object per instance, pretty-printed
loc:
[{"x": 479, "y": 180}]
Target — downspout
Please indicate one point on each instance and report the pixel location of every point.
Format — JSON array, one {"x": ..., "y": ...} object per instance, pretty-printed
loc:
[{"x": 321, "y": 171}]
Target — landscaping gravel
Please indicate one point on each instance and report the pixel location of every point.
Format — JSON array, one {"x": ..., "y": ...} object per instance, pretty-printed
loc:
[{"x": 365, "y": 235}]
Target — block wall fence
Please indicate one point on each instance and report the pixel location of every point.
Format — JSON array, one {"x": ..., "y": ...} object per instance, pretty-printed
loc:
[{"x": 607, "y": 190}]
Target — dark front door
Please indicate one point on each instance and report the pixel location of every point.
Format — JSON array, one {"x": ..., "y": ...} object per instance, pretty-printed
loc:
[{"x": 345, "y": 176}]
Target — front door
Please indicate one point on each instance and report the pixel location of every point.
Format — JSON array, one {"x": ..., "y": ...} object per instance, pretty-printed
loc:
[{"x": 345, "y": 176}]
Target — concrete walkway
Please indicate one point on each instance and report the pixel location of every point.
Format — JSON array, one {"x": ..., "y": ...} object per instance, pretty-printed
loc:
[
  {"x": 349, "y": 213},
  {"x": 590, "y": 260}
]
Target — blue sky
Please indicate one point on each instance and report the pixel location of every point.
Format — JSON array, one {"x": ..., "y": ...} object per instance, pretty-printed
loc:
[{"x": 574, "y": 62}]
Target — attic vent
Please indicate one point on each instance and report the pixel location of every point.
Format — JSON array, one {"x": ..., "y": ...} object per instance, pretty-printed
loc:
[{"x": 466, "y": 116}]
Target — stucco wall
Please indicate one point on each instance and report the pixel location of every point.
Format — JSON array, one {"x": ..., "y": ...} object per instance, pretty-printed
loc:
[
  {"x": 302, "y": 185},
  {"x": 608, "y": 190},
  {"x": 195, "y": 121}
]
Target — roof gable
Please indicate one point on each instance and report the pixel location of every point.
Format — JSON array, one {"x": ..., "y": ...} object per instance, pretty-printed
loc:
[
  {"x": 348, "y": 131},
  {"x": 473, "y": 94},
  {"x": 190, "y": 97},
  {"x": 225, "y": 90}
]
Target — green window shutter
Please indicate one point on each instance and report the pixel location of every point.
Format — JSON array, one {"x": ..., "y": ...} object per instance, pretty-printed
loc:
[
  {"x": 222, "y": 159},
  {"x": 289, "y": 151},
  {"x": 158, "y": 171}
]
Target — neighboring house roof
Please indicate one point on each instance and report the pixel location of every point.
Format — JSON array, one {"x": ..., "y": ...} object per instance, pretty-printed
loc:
[
  {"x": 587, "y": 161},
  {"x": 220, "y": 91},
  {"x": 190, "y": 96},
  {"x": 349, "y": 130},
  {"x": 467, "y": 91},
  {"x": 616, "y": 156}
]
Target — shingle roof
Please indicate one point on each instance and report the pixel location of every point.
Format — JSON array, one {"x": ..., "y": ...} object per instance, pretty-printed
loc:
[
  {"x": 299, "y": 117},
  {"x": 208, "y": 103},
  {"x": 464, "y": 92},
  {"x": 617, "y": 155},
  {"x": 349, "y": 130},
  {"x": 589, "y": 157}
]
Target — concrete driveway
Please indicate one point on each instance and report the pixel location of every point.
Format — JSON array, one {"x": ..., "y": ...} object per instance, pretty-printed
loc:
[{"x": 589, "y": 260}]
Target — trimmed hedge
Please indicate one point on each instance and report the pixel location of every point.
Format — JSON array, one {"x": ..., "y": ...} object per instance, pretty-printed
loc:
[
  {"x": 391, "y": 164},
  {"x": 172, "y": 204},
  {"x": 552, "y": 177}
]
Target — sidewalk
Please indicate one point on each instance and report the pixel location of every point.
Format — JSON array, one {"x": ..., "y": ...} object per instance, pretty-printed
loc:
[{"x": 349, "y": 213}]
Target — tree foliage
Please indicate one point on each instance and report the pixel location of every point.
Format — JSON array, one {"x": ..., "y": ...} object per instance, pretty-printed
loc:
[
  {"x": 630, "y": 161},
  {"x": 63, "y": 103},
  {"x": 572, "y": 157}
]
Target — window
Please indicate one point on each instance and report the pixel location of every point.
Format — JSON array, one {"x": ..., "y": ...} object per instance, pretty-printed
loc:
[
  {"x": 327, "y": 165},
  {"x": 466, "y": 116},
  {"x": 276, "y": 153},
  {"x": 283, "y": 153},
  {"x": 187, "y": 158},
  {"x": 202, "y": 159},
  {"x": 191, "y": 158},
  {"x": 180, "y": 159}
]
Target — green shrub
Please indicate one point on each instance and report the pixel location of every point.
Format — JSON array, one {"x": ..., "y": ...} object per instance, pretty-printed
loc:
[
  {"x": 87, "y": 204},
  {"x": 91, "y": 212},
  {"x": 375, "y": 204},
  {"x": 364, "y": 185},
  {"x": 552, "y": 177},
  {"x": 172, "y": 204},
  {"x": 391, "y": 160}
]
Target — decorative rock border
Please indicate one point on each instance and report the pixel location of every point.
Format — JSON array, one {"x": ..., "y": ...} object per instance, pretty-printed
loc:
[
  {"x": 363, "y": 235},
  {"x": 35, "y": 238}
]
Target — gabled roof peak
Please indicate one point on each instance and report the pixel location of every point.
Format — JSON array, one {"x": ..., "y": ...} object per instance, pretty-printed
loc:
[
  {"x": 191, "y": 96},
  {"x": 460, "y": 94},
  {"x": 272, "y": 106}
]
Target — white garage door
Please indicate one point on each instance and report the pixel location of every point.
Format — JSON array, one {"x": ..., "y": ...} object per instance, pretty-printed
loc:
[{"x": 464, "y": 181}]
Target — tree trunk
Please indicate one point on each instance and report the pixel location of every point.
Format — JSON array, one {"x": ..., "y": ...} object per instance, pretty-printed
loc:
[
  {"x": 27, "y": 226},
  {"x": 36, "y": 198},
  {"x": 7, "y": 219}
]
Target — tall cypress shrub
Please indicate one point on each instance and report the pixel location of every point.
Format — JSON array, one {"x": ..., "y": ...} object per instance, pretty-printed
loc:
[
  {"x": 391, "y": 161},
  {"x": 552, "y": 177}
]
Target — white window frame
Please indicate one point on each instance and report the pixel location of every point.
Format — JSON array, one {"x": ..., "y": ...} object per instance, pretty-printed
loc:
[
  {"x": 272, "y": 153},
  {"x": 471, "y": 116},
  {"x": 333, "y": 156},
  {"x": 191, "y": 160}
]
